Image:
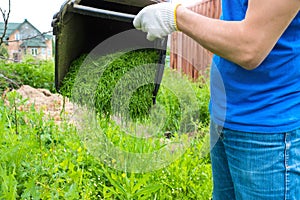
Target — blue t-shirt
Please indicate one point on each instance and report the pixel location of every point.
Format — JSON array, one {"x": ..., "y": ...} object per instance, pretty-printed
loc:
[{"x": 266, "y": 99}]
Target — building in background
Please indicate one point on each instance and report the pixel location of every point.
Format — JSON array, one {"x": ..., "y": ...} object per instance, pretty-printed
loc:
[{"x": 23, "y": 39}]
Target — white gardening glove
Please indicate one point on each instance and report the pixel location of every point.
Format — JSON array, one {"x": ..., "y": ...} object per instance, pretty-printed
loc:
[{"x": 158, "y": 20}]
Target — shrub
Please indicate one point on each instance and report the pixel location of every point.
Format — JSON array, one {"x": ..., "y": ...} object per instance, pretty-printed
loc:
[
  {"x": 38, "y": 74},
  {"x": 3, "y": 50}
]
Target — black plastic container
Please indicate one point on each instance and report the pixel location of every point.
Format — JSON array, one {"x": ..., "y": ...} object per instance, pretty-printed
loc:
[{"x": 81, "y": 25}]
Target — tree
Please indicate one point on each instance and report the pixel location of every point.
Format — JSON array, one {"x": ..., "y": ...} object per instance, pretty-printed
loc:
[
  {"x": 3, "y": 51},
  {"x": 5, "y": 15}
]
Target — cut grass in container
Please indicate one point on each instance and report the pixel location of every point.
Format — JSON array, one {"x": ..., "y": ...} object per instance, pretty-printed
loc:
[
  {"x": 122, "y": 84},
  {"x": 125, "y": 84},
  {"x": 115, "y": 66}
]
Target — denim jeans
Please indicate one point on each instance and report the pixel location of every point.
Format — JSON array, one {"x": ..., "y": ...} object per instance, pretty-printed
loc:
[{"x": 255, "y": 166}]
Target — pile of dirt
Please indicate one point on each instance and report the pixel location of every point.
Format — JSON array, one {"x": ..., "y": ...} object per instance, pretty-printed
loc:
[{"x": 51, "y": 104}]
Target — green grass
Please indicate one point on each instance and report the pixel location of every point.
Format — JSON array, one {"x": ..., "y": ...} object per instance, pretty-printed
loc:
[
  {"x": 106, "y": 72},
  {"x": 122, "y": 84},
  {"x": 37, "y": 74},
  {"x": 42, "y": 160}
]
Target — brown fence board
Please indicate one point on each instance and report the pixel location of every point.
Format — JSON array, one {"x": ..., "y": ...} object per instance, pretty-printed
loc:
[{"x": 186, "y": 55}]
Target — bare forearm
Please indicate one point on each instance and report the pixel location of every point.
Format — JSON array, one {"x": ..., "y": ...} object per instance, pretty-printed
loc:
[
  {"x": 245, "y": 42},
  {"x": 226, "y": 39}
]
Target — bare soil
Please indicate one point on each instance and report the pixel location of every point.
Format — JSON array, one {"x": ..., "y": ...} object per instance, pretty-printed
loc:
[{"x": 43, "y": 100}]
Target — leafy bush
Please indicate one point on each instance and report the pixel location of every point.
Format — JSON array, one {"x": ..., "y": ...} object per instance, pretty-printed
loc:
[
  {"x": 3, "y": 50},
  {"x": 38, "y": 74}
]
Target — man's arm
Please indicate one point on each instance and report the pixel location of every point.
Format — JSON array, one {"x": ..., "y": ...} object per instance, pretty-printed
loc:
[{"x": 246, "y": 42}]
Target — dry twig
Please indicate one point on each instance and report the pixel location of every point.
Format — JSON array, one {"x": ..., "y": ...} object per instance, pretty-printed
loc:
[{"x": 5, "y": 20}]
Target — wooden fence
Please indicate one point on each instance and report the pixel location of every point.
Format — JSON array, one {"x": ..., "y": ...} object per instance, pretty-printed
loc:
[{"x": 187, "y": 56}]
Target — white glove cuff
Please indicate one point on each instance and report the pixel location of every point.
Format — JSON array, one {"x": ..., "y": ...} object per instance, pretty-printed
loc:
[{"x": 170, "y": 17}]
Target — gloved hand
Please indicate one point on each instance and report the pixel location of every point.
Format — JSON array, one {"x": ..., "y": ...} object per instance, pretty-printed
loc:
[{"x": 158, "y": 20}]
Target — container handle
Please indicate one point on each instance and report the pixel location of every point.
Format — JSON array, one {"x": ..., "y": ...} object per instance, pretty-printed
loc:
[{"x": 106, "y": 14}]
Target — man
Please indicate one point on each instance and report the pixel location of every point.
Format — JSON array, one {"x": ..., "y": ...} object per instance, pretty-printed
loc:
[{"x": 255, "y": 92}]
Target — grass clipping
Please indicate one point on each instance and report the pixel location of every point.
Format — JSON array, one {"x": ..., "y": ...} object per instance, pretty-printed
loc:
[{"x": 119, "y": 83}]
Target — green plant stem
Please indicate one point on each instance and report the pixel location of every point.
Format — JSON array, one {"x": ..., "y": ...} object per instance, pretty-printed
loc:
[{"x": 16, "y": 117}]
